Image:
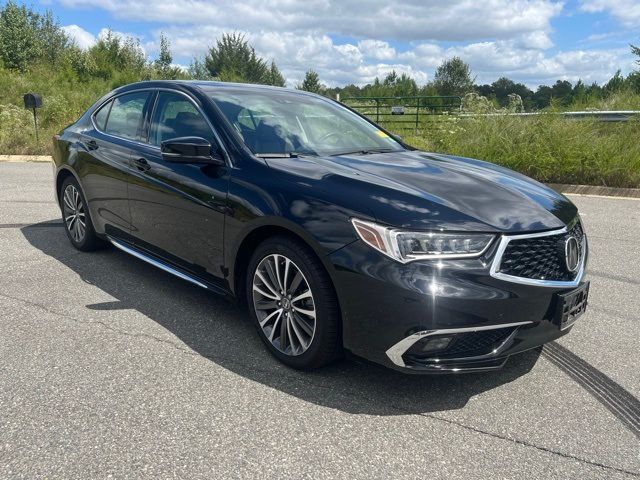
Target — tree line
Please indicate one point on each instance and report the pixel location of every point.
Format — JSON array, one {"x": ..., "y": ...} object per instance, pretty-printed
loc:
[
  {"x": 454, "y": 77},
  {"x": 30, "y": 40}
]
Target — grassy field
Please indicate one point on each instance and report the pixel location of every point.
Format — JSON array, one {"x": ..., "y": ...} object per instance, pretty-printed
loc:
[
  {"x": 546, "y": 147},
  {"x": 64, "y": 100}
]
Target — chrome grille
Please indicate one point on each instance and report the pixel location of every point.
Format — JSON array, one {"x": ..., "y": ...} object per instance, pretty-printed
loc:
[{"x": 540, "y": 257}]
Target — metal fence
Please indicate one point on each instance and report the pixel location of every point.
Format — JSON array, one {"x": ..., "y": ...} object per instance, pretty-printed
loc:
[
  {"x": 599, "y": 115},
  {"x": 417, "y": 112},
  {"x": 403, "y": 111}
]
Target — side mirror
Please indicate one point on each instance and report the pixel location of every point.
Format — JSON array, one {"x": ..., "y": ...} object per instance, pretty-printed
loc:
[
  {"x": 396, "y": 136},
  {"x": 189, "y": 150}
]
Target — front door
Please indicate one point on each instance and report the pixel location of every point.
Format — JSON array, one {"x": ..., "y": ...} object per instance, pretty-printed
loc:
[{"x": 178, "y": 209}]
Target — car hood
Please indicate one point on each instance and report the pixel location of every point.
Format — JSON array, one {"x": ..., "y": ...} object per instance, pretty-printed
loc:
[{"x": 412, "y": 189}]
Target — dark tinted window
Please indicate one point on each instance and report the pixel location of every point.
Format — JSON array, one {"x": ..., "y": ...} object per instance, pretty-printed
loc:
[
  {"x": 101, "y": 115},
  {"x": 126, "y": 115},
  {"x": 176, "y": 116},
  {"x": 282, "y": 121}
]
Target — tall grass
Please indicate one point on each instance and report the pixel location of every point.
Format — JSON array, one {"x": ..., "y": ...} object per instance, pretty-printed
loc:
[
  {"x": 64, "y": 100},
  {"x": 547, "y": 147}
]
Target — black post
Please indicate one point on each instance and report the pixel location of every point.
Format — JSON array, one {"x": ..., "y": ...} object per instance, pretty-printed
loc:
[
  {"x": 32, "y": 101},
  {"x": 35, "y": 123}
]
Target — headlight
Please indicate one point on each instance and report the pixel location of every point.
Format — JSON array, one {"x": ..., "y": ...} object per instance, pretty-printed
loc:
[{"x": 406, "y": 246}]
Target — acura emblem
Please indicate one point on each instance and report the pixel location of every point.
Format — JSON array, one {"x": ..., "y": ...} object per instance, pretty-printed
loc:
[{"x": 572, "y": 253}]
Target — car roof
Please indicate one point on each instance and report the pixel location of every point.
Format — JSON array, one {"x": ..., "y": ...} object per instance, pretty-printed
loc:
[{"x": 208, "y": 85}]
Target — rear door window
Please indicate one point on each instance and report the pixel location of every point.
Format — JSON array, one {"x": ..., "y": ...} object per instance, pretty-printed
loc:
[
  {"x": 100, "y": 117},
  {"x": 125, "y": 117}
]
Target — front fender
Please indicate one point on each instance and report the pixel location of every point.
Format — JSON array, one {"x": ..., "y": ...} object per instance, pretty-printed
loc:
[{"x": 263, "y": 199}]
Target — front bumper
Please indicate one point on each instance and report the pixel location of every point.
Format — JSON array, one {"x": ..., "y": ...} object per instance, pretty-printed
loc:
[{"x": 389, "y": 308}]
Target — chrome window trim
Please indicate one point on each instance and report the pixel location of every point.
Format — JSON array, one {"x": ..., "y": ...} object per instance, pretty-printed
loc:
[
  {"x": 502, "y": 246},
  {"x": 226, "y": 156},
  {"x": 97, "y": 109},
  {"x": 396, "y": 352},
  {"x": 206, "y": 119}
]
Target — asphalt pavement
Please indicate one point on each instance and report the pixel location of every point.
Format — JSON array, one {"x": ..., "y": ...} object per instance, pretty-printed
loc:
[{"x": 112, "y": 368}]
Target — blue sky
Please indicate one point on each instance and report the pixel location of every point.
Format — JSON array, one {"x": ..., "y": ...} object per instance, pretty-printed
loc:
[{"x": 532, "y": 41}]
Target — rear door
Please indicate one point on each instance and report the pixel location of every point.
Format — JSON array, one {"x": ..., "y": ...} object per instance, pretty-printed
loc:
[
  {"x": 104, "y": 160},
  {"x": 178, "y": 209}
]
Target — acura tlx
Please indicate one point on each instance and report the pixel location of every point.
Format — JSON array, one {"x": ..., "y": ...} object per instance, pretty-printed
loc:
[{"x": 336, "y": 234}]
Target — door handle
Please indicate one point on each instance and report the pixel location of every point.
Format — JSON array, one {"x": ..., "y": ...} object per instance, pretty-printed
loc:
[
  {"x": 92, "y": 145},
  {"x": 142, "y": 164}
]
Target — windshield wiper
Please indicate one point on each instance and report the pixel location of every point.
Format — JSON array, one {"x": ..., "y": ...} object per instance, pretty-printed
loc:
[
  {"x": 365, "y": 151},
  {"x": 277, "y": 155},
  {"x": 286, "y": 155}
]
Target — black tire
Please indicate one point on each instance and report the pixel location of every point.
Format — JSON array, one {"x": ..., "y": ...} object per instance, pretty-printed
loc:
[
  {"x": 87, "y": 241},
  {"x": 325, "y": 345}
]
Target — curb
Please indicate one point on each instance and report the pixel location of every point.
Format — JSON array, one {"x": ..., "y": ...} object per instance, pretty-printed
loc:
[
  {"x": 25, "y": 158},
  {"x": 592, "y": 190}
]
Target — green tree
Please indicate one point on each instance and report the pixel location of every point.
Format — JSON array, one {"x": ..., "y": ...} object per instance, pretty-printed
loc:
[
  {"x": 274, "y": 77},
  {"x": 198, "y": 70},
  {"x": 233, "y": 59},
  {"x": 28, "y": 38},
  {"x": 579, "y": 93},
  {"x": 615, "y": 84},
  {"x": 636, "y": 51},
  {"x": 399, "y": 86},
  {"x": 163, "y": 64},
  {"x": 53, "y": 39},
  {"x": 311, "y": 82},
  {"x": 18, "y": 42},
  {"x": 504, "y": 86},
  {"x": 542, "y": 97},
  {"x": 633, "y": 81},
  {"x": 562, "y": 91},
  {"x": 453, "y": 77},
  {"x": 165, "y": 58},
  {"x": 122, "y": 59},
  {"x": 594, "y": 91},
  {"x": 486, "y": 90}
]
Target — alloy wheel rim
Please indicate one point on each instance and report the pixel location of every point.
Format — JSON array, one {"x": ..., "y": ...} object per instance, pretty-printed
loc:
[
  {"x": 284, "y": 304},
  {"x": 74, "y": 213}
]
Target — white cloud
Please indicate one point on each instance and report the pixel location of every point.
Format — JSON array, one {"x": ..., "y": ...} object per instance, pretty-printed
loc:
[
  {"x": 626, "y": 12},
  {"x": 346, "y": 42},
  {"x": 121, "y": 35},
  {"x": 535, "y": 40},
  {"x": 80, "y": 36},
  {"x": 337, "y": 64},
  {"x": 377, "y": 49},
  {"x": 586, "y": 65},
  {"x": 410, "y": 19},
  {"x": 85, "y": 40}
]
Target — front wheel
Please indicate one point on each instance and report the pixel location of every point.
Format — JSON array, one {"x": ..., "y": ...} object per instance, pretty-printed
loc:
[{"x": 292, "y": 301}]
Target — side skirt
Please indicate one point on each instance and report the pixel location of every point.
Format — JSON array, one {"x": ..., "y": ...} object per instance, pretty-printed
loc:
[{"x": 150, "y": 259}]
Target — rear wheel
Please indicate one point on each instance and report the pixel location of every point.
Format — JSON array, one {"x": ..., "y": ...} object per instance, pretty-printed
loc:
[
  {"x": 75, "y": 215},
  {"x": 292, "y": 301}
]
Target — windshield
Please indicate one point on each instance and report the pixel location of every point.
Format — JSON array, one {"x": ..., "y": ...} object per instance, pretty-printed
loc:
[{"x": 285, "y": 122}]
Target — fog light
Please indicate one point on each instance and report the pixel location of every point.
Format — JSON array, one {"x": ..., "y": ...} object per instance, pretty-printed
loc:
[{"x": 436, "y": 344}]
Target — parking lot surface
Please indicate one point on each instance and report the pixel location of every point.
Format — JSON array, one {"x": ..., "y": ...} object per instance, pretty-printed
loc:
[{"x": 110, "y": 367}]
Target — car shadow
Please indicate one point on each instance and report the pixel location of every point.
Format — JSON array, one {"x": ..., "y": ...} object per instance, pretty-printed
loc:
[{"x": 219, "y": 330}]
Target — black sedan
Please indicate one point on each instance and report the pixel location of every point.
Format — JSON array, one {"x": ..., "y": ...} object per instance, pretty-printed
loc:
[{"x": 337, "y": 235}]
